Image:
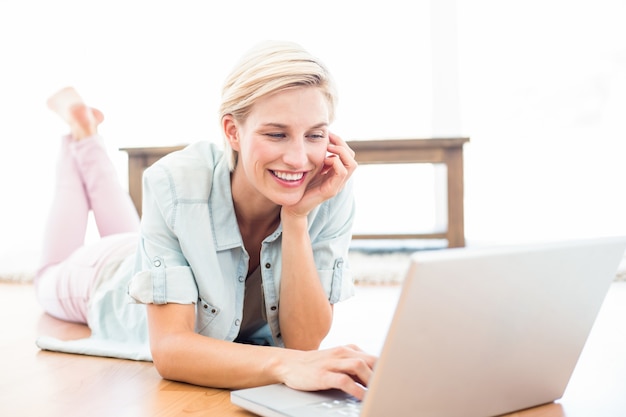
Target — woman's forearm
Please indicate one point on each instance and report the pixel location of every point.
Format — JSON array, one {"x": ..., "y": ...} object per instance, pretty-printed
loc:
[
  {"x": 180, "y": 354},
  {"x": 200, "y": 360},
  {"x": 305, "y": 313}
]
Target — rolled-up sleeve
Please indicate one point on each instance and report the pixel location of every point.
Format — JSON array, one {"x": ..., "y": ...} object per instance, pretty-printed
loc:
[
  {"x": 331, "y": 233},
  {"x": 162, "y": 274}
]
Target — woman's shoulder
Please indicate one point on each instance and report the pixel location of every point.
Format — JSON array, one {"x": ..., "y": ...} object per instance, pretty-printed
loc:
[
  {"x": 199, "y": 154},
  {"x": 203, "y": 156},
  {"x": 188, "y": 171}
]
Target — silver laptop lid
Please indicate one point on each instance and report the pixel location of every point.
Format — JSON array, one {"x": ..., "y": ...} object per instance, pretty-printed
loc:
[{"x": 482, "y": 332}]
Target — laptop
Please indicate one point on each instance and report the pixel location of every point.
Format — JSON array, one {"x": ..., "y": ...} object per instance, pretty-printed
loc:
[{"x": 476, "y": 332}]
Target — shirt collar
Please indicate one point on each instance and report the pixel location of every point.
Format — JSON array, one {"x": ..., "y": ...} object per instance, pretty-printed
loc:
[{"x": 222, "y": 210}]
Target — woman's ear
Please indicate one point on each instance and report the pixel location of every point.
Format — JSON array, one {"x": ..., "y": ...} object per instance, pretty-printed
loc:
[{"x": 229, "y": 125}]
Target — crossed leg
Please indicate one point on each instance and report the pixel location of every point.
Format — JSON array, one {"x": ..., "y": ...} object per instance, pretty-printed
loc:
[{"x": 86, "y": 181}]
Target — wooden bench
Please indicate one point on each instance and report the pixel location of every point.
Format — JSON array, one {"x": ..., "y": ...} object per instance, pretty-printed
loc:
[{"x": 447, "y": 151}]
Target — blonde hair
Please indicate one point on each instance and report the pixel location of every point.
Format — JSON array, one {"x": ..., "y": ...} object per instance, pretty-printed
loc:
[{"x": 268, "y": 68}]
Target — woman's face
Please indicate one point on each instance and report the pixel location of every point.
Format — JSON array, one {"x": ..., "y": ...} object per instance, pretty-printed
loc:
[{"x": 282, "y": 144}]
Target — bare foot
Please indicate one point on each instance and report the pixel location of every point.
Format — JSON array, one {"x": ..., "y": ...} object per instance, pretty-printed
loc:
[{"x": 83, "y": 121}]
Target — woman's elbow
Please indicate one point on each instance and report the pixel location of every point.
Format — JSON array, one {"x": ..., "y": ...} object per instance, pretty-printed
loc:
[
  {"x": 164, "y": 359},
  {"x": 306, "y": 338},
  {"x": 159, "y": 359}
]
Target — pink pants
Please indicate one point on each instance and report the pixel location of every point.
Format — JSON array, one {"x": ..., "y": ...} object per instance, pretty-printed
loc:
[{"x": 85, "y": 180}]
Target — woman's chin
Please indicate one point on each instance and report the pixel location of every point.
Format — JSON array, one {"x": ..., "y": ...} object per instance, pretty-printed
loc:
[{"x": 287, "y": 200}]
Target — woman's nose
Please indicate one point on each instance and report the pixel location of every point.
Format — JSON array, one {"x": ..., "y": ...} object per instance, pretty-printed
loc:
[{"x": 295, "y": 155}]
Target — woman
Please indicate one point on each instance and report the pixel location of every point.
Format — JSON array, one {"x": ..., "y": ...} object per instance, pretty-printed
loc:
[{"x": 244, "y": 246}]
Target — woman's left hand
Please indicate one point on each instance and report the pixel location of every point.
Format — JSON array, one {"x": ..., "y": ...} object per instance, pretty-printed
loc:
[{"x": 339, "y": 165}]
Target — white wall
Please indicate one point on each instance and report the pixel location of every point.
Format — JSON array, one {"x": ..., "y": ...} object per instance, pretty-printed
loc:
[
  {"x": 541, "y": 92},
  {"x": 543, "y": 95}
]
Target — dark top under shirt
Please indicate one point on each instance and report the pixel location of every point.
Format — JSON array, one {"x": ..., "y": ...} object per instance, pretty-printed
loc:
[{"x": 253, "y": 307}]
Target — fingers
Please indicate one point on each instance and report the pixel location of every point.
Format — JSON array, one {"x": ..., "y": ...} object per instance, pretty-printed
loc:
[
  {"x": 340, "y": 164},
  {"x": 337, "y": 141},
  {"x": 358, "y": 364},
  {"x": 352, "y": 370},
  {"x": 346, "y": 368},
  {"x": 352, "y": 377},
  {"x": 339, "y": 147},
  {"x": 348, "y": 385}
]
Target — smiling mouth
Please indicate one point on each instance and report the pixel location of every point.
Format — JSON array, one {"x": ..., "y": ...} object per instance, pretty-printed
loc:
[{"x": 288, "y": 176}]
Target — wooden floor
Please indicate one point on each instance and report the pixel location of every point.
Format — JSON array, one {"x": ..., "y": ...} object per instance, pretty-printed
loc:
[
  {"x": 36, "y": 383},
  {"x": 39, "y": 383}
]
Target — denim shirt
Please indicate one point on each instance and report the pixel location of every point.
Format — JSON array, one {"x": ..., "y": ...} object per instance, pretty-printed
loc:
[{"x": 191, "y": 250}]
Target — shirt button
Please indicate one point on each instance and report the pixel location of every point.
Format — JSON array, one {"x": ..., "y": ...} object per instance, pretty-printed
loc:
[
  {"x": 157, "y": 263},
  {"x": 268, "y": 265},
  {"x": 273, "y": 308},
  {"x": 237, "y": 322},
  {"x": 241, "y": 278}
]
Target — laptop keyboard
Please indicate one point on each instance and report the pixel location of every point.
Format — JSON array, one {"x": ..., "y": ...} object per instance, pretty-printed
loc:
[{"x": 346, "y": 407}]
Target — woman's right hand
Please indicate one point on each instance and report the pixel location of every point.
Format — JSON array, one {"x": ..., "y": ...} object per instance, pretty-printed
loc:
[
  {"x": 346, "y": 368},
  {"x": 338, "y": 167}
]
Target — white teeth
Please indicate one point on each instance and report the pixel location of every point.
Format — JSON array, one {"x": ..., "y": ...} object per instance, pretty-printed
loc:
[{"x": 288, "y": 176}]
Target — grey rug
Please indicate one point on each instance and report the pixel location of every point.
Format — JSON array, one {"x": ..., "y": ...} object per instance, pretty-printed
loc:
[
  {"x": 391, "y": 267},
  {"x": 17, "y": 277},
  {"x": 379, "y": 268}
]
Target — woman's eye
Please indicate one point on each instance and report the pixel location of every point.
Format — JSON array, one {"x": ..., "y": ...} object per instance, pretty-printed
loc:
[
  {"x": 317, "y": 136},
  {"x": 275, "y": 135}
]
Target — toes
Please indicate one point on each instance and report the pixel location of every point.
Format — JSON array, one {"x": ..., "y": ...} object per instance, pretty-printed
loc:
[
  {"x": 98, "y": 115},
  {"x": 84, "y": 121}
]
